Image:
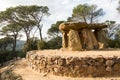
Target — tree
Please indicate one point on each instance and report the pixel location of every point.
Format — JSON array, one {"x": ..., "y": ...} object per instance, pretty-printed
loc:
[
  {"x": 8, "y": 15},
  {"x": 27, "y": 27},
  {"x": 56, "y": 39},
  {"x": 118, "y": 8},
  {"x": 12, "y": 30},
  {"x": 54, "y": 29},
  {"x": 111, "y": 28},
  {"x": 25, "y": 20},
  {"x": 41, "y": 11},
  {"x": 26, "y": 16},
  {"x": 55, "y": 43},
  {"x": 30, "y": 45},
  {"x": 115, "y": 43},
  {"x": 42, "y": 44},
  {"x": 86, "y": 13},
  {"x": 34, "y": 13},
  {"x": 4, "y": 42}
]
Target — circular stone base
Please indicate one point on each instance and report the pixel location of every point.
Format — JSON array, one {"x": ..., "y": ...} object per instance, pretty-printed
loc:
[{"x": 75, "y": 63}]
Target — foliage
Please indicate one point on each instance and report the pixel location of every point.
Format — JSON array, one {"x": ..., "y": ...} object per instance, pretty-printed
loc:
[
  {"x": 4, "y": 42},
  {"x": 113, "y": 34},
  {"x": 25, "y": 16},
  {"x": 86, "y": 13},
  {"x": 118, "y": 8},
  {"x": 32, "y": 13},
  {"x": 30, "y": 45},
  {"x": 8, "y": 55},
  {"x": 115, "y": 43},
  {"x": 118, "y": 34},
  {"x": 39, "y": 13},
  {"x": 20, "y": 54},
  {"x": 24, "y": 19},
  {"x": 42, "y": 45},
  {"x": 54, "y": 29},
  {"x": 12, "y": 30},
  {"x": 5, "y": 56},
  {"x": 55, "y": 43},
  {"x": 110, "y": 29}
]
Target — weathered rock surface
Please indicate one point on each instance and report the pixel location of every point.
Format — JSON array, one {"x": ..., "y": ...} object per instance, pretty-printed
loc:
[
  {"x": 64, "y": 40},
  {"x": 79, "y": 35},
  {"x": 101, "y": 38},
  {"x": 74, "y": 39},
  {"x": 73, "y": 66},
  {"x": 80, "y": 25}
]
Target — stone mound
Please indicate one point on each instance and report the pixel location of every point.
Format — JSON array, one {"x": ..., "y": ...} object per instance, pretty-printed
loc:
[
  {"x": 75, "y": 64},
  {"x": 77, "y": 36}
]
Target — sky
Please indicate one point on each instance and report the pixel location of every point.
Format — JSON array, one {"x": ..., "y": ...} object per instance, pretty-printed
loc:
[{"x": 62, "y": 9}]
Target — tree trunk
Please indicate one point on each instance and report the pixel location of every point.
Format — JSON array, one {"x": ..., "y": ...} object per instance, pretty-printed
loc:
[
  {"x": 14, "y": 43},
  {"x": 84, "y": 18},
  {"x": 40, "y": 31},
  {"x": 5, "y": 46},
  {"x": 91, "y": 20},
  {"x": 40, "y": 34},
  {"x": 27, "y": 35}
]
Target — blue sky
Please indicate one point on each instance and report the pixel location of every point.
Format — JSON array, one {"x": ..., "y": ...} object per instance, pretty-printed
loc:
[{"x": 62, "y": 9}]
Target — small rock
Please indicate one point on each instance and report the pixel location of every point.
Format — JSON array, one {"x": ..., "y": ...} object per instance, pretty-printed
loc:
[
  {"x": 85, "y": 65},
  {"x": 109, "y": 69},
  {"x": 18, "y": 58},
  {"x": 62, "y": 62},
  {"x": 116, "y": 67},
  {"x": 109, "y": 62},
  {"x": 100, "y": 59}
]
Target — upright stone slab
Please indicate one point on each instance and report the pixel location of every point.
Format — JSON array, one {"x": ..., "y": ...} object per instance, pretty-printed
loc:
[
  {"x": 74, "y": 42},
  {"x": 80, "y": 35},
  {"x": 64, "y": 40},
  {"x": 84, "y": 38},
  {"x": 93, "y": 40},
  {"x": 101, "y": 38},
  {"x": 90, "y": 42}
]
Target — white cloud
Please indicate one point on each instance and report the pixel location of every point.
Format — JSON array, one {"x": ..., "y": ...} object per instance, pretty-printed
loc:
[{"x": 62, "y": 9}]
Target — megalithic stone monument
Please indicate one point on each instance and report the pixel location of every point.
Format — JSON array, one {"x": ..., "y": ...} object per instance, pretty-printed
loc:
[{"x": 79, "y": 35}]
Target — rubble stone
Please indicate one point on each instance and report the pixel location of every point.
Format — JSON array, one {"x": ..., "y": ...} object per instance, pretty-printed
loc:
[{"x": 74, "y": 66}]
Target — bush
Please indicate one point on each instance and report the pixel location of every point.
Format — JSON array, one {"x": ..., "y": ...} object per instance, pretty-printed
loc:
[
  {"x": 42, "y": 45},
  {"x": 55, "y": 43},
  {"x": 5, "y": 56},
  {"x": 30, "y": 45},
  {"x": 114, "y": 43},
  {"x": 20, "y": 54},
  {"x": 8, "y": 55}
]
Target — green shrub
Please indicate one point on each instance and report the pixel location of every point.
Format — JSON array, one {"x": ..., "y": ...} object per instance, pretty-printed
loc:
[
  {"x": 55, "y": 43},
  {"x": 31, "y": 44},
  {"x": 114, "y": 43},
  {"x": 42, "y": 45},
  {"x": 20, "y": 54},
  {"x": 8, "y": 55},
  {"x": 5, "y": 56}
]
